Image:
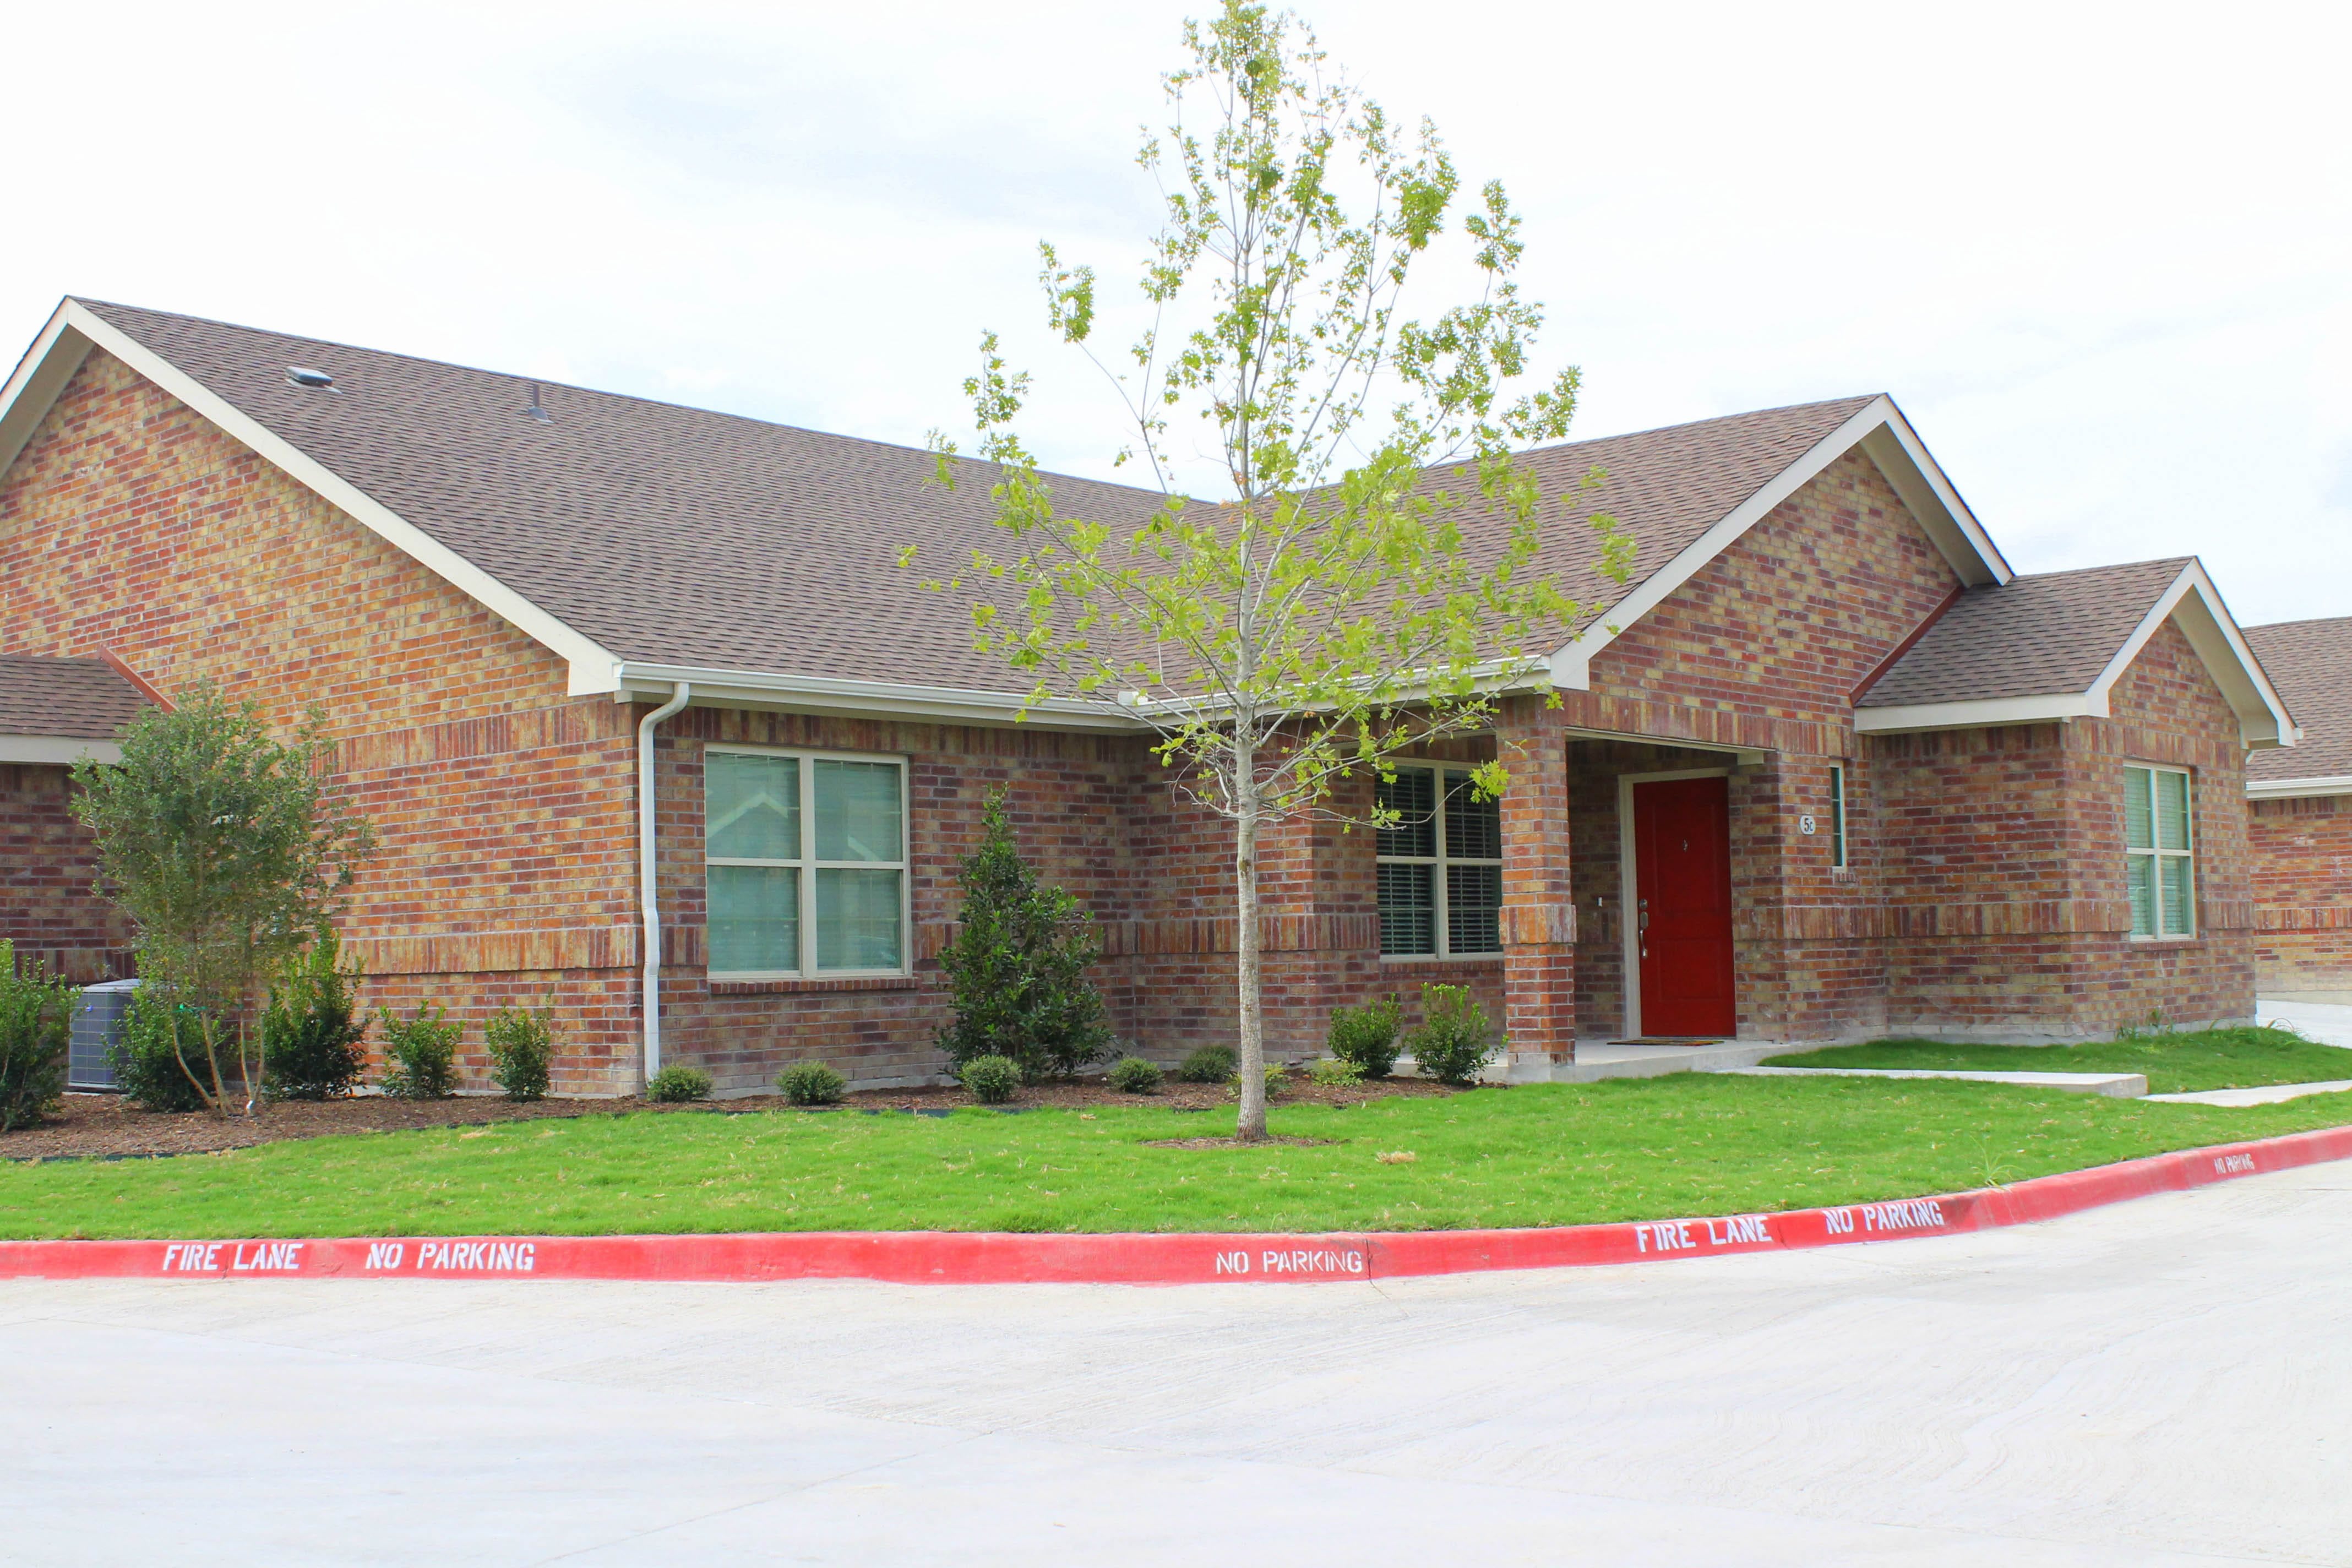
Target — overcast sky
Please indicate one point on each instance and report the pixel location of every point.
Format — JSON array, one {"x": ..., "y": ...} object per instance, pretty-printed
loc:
[{"x": 2102, "y": 255}]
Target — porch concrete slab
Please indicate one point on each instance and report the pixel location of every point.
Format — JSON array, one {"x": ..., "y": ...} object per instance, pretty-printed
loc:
[
  {"x": 2268, "y": 1094},
  {"x": 2329, "y": 1023},
  {"x": 1597, "y": 1061},
  {"x": 2115, "y": 1085}
]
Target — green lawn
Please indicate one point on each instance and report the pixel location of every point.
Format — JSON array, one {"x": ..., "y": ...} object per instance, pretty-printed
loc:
[
  {"x": 2175, "y": 1064},
  {"x": 1551, "y": 1154}
]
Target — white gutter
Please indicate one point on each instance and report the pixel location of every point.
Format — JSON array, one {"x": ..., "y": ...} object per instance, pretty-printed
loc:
[
  {"x": 649, "y": 874},
  {"x": 2294, "y": 789}
]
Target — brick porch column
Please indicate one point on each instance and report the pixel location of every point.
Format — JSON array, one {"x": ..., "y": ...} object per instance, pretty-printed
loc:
[{"x": 1538, "y": 906}]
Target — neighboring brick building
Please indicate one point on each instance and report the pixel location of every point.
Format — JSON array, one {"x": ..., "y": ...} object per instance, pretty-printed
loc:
[
  {"x": 53, "y": 713},
  {"x": 2301, "y": 801},
  {"x": 1865, "y": 777}
]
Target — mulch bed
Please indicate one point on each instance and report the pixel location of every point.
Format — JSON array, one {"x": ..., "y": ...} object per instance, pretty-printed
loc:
[
  {"x": 108, "y": 1127},
  {"x": 1237, "y": 1142}
]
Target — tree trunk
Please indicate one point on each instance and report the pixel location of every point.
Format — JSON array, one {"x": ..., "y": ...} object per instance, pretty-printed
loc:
[{"x": 1250, "y": 1127}]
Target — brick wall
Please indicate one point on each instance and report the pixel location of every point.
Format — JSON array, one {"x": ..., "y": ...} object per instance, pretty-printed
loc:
[
  {"x": 48, "y": 905},
  {"x": 2302, "y": 878},
  {"x": 503, "y": 808}
]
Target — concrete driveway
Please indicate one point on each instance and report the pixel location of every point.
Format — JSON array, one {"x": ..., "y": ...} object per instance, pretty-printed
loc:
[{"x": 2164, "y": 1382}]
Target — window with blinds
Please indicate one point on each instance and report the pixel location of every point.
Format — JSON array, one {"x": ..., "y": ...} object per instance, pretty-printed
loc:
[
  {"x": 1439, "y": 866},
  {"x": 2159, "y": 854},
  {"x": 804, "y": 863}
]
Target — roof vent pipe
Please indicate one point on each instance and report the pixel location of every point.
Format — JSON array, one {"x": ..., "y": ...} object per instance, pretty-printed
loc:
[
  {"x": 535, "y": 411},
  {"x": 649, "y": 876}
]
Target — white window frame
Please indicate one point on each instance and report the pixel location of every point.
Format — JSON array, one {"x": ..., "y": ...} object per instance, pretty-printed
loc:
[
  {"x": 2158, "y": 855},
  {"x": 809, "y": 865},
  {"x": 1442, "y": 912}
]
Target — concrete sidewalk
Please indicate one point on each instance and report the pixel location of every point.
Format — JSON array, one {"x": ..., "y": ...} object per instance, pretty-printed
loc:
[{"x": 2163, "y": 1382}]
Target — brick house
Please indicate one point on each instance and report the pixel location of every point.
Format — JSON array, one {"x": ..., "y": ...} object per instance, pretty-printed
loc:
[
  {"x": 589, "y": 657},
  {"x": 2301, "y": 801}
]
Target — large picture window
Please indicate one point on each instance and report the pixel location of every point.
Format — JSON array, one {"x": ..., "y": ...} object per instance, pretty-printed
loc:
[
  {"x": 2159, "y": 858},
  {"x": 1441, "y": 867},
  {"x": 805, "y": 862}
]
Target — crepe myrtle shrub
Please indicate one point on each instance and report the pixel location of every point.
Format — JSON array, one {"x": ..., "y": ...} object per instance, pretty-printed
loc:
[
  {"x": 1300, "y": 601},
  {"x": 521, "y": 1046},
  {"x": 991, "y": 1079},
  {"x": 316, "y": 1032},
  {"x": 35, "y": 1031},
  {"x": 230, "y": 851},
  {"x": 811, "y": 1083},
  {"x": 159, "y": 1058},
  {"x": 678, "y": 1086},
  {"x": 1208, "y": 1064},
  {"x": 1016, "y": 967},
  {"x": 1366, "y": 1036},
  {"x": 423, "y": 1051},
  {"x": 1453, "y": 1042},
  {"x": 1136, "y": 1075}
]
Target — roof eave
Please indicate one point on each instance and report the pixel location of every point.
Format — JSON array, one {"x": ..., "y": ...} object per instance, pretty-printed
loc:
[
  {"x": 2297, "y": 789},
  {"x": 58, "y": 751},
  {"x": 73, "y": 329},
  {"x": 1885, "y": 436},
  {"x": 2197, "y": 606}
]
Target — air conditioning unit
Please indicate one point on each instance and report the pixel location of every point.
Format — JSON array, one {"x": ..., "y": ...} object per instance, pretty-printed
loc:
[{"x": 96, "y": 1024}]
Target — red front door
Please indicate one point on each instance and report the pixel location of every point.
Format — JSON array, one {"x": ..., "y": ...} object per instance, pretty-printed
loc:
[{"x": 1681, "y": 873}]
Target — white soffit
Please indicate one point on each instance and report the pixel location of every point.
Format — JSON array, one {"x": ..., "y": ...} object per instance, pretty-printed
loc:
[
  {"x": 2296, "y": 789},
  {"x": 2192, "y": 604},
  {"x": 58, "y": 751},
  {"x": 67, "y": 339},
  {"x": 1886, "y": 438}
]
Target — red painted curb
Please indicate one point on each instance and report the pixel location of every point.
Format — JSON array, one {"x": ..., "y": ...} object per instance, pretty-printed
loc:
[{"x": 947, "y": 1258}]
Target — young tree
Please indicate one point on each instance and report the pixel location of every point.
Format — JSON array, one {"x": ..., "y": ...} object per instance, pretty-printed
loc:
[
  {"x": 1327, "y": 611},
  {"x": 230, "y": 855}
]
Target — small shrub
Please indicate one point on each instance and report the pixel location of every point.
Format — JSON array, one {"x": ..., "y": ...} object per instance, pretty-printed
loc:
[
  {"x": 423, "y": 1052},
  {"x": 811, "y": 1083},
  {"x": 1277, "y": 1079},
  {"x": 1210, "y": 1064},
  {"x": 522, "y": 1047},
  {"x": 1366, "y": 1036},
  {"x": 35, "y": 1031},
  {"x": 991, "y": 1079},
  {"x": 1454, "y": 1041},
  {"x": 157, "y": 1039},
  {"x": 1133, "y": 1075},
  {"x": 314, "y": 1031},
  {"x": 676, "y": 1086},
  {"x": 1336, "y": 1074}
]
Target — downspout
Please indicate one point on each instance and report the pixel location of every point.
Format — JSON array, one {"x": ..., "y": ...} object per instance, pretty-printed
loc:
[{"x": 648, "y": 878}]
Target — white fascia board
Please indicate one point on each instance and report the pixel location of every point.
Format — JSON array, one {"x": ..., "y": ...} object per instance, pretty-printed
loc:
[
  {"x": 2205, "y": 621},
  {"x": 861, "y": 699},
  {"x": 1980, "y": 713},
  {"x": 73, "y": 331},
  {"x": 2294, "y": 789},
  {"x": 1893, "y": 447},
  {"x": 58, "y": 751},
  {"x": 1529, "y": 673},
  {"x": 34, "y": 387}
]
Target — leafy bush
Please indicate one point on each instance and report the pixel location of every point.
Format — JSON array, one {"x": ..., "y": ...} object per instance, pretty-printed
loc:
[
  {"x": 522, "y": 1047},
  {"x": 1134, "y": 1075},
  {"x": 35, "y": 1031},
  {"x": 423, "y": 1051},
  {"x": 1335, "y": 1073},
  {"x": 313, "y": 1031},
  {"x": 811, "y": 1083},
  {"x": 991, "y": 1079},
  {"x": 1277, "y": 1079},
  {"x": 1454, "y": 1041},
  {"x": 161, "y": 1045},
  {"x": 1016, "y": 968},
  {"x": 1210, "y": 1064},
  {"x": 676, "y": 1085},
  {"x": 1366, "y": 1036}
]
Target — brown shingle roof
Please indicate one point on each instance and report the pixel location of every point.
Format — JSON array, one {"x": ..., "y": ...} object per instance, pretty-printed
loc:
[
  {"x": 673, "y": 535},
  {"x": 2310, "y": 662},
  {"x": 2031, "y": 637},
  {"x": 65, "y": 699}
]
